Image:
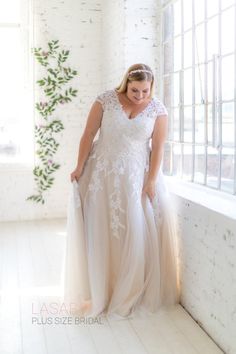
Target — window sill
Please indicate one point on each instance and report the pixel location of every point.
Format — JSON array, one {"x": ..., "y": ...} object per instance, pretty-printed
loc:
[
  {"x": 220, "y": 202},
  {"x": 15, "y": 166}
]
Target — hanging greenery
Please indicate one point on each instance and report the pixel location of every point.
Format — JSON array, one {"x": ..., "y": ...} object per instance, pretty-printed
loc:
[{"x": 56, "y": 92}]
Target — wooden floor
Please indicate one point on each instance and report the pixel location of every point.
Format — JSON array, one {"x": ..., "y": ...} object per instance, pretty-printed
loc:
[{"x": 31, "y": 255}]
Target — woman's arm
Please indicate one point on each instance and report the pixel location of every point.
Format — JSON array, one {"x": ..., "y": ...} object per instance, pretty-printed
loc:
[
  {"x": 158, "y": 139},
  {"x": 93, "y": 124}
]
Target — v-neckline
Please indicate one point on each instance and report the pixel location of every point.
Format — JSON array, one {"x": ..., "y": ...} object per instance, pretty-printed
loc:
[{"x": 123, "y": 111}]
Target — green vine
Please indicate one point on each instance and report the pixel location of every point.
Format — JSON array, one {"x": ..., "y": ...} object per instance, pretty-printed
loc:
[{"x": 52, "y": 84}]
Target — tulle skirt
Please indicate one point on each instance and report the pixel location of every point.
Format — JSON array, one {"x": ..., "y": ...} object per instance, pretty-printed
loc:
[{"x": 121, "y": 255}]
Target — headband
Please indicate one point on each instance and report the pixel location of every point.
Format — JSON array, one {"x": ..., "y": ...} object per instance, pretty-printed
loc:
[{"x": 139, "y": 70}]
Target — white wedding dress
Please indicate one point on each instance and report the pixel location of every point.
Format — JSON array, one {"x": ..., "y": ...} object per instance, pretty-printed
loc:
[{"x": 121, "y": 248}]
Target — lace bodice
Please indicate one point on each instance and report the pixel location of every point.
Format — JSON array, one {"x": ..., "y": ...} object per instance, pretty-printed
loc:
[
  {"x": 109, "y": 99},
  {"x": 122, "y": 151},
  {"x": 121, "y": 133}
]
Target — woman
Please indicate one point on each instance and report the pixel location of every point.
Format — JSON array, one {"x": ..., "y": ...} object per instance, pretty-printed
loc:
[{"x": 121, "y": 240}]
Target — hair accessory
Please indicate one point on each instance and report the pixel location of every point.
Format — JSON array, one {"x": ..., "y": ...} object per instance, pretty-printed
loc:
[{"x": 139, "y": 70}]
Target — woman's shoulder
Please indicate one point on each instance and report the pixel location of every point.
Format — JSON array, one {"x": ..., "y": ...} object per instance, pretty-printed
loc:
[
  {"x": 105, "y": 97},
  {"x": 159, "y": 106},
  {"x": 106, "y": 93},
  {"x": 157, "y": 99}
]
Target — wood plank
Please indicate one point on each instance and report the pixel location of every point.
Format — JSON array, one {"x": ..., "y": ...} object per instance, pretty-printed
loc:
[
  {"x": 191, "y": 330},
  {"x": 33, "y": 339},
  {"x": 31, "y": 255},
  {"x": 10, "y": 319},
  {"x": 126, "y": 337}
]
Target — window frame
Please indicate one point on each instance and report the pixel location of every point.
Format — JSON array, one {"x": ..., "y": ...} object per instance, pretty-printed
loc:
[
  {"x": 217, "y": 123},
  {"x": 27, "y": 34}
]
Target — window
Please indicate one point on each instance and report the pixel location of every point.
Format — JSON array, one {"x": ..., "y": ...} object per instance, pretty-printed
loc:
[
  {"x": 16, "y": 113},
  {"x": 199, "y": 78}
]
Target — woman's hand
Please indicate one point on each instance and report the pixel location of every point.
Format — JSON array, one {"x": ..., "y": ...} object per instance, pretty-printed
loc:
[
  {"x": 149, "y": 189},
  {"x": 76, "y": 174}
]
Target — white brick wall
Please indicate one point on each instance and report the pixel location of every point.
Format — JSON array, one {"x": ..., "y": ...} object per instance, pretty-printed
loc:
[
  {"x": 207, "y": 244},
  {"x": 130, "y": 34},
  {"x": 77, "y": 25},
  {"x": 104, "y": 39}
]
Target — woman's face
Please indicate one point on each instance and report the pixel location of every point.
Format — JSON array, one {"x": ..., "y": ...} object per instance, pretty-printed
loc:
[{"x": 138, "y": 91}]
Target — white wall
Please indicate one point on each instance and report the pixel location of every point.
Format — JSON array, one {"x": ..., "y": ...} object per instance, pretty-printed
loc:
[
  {"x": 104, "y": 38},
  {"x": 207, "y": 254},
  {"x": 77, "y": 25},
  {"x": 130, "y": 34}
]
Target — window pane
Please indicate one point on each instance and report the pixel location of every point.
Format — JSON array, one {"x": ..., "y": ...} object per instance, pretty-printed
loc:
[
  {"x": 209, "y": 121},
  {"x": 167, "y": 91},
  {"x": 177, "y": 53},
  {"x": 188, "y": 87},
  {"x": 170, "y": 125},
  {"x": 168, "y": 55},
  {"x": 212, "y": 41},
  {"x": 8, "y": 141},
  {"x": 188, "y": 49},
  {"x": 188, "y": 124},
  {"x": 176, "y": 89},
  {"x": 200, "y": 44},
  {"x": 226, "y": 3},
  {"x": 199, "y": 164},
  {"x": 227, "y": 170},
  {"x": 187, "y": 162},
  {"x": 228, "y": 83},
  {"x": 176, "y": 159},
  {"x": 10, "y": 11},
  {"x": 209, "y": 82},
  {"x": 11, "y": 73},
  {"x": 228, "y": 33},
  {"x": 199, "y": 124},
  {"x": 177, "y": 17},
  {"x": 212, "y": 167},
  {"x": 228, "y": 137},
  {"x": 187, "y": 4},
  {"x": 168, "y": 21},
  {"x": 212, "y": 7},
  {"x": 167, "y": 159},
  {"x": 199, "y": 10},
  {"x": 11, "y": 93},
  {"x": 16, "y": 125},
  {"x": 176, "y": 124},
  {"x": 199, "y": 83}
]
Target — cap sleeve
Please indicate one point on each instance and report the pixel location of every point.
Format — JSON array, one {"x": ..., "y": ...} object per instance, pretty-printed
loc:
[
  {"x": 160, "y": 108},
  {"x": 102, "y": 99}
]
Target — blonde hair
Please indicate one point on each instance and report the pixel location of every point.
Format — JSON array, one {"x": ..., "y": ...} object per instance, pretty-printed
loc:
[{"x": 137, "y": 76}]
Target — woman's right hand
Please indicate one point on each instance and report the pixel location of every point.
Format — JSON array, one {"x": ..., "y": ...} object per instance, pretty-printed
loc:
[{"x": 76, "y": 174}]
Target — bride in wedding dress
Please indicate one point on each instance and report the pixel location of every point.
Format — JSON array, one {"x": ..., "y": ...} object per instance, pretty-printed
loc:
[{"x": 121, "y": 245}]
